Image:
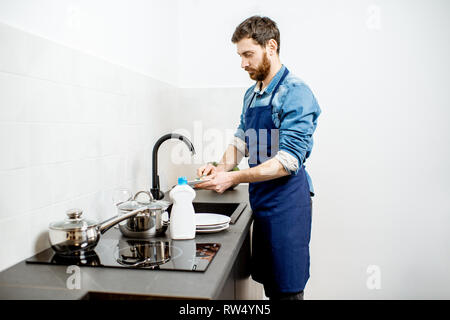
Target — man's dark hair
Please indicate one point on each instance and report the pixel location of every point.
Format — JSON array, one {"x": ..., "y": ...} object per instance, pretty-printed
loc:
[{"x": 261, "y": 29}]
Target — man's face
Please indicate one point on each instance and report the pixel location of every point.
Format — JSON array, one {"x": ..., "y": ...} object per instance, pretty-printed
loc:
[{"x": 254, "y": 59}]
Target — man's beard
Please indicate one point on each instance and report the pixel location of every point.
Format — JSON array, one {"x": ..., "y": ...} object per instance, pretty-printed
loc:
[{"x": 262, "y": 71}]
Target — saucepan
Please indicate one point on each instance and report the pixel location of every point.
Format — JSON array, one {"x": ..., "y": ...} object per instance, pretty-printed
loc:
[
  {"x": 75, "y": 234},
  {"x": 150, "y": 222}
]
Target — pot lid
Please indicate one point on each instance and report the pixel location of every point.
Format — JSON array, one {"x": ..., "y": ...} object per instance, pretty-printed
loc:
[
  {"x": 158, "y": 204},
  {"x": 151, "y": 203},
  {"x": 133, "y": 205},
  {"x": 129, "y": 205},
  {"x": 73, "y": 221}
]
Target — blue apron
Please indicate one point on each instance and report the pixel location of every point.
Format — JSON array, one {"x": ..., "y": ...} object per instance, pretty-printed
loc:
[{"x": 281, "y": 211}]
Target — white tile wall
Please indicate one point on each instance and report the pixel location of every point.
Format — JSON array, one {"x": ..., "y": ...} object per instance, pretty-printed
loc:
[
  {"x": 72, "y": 128},
  {"x": 211, "y": 117}
]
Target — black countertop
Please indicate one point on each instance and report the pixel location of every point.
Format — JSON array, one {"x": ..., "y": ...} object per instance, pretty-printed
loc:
[{"x": 33, "y": 281}]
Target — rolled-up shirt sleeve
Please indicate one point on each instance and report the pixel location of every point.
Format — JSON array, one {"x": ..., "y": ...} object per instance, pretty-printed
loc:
[
  {"x": 298, "y": 120},
  {"x": 288, "y": 161}
]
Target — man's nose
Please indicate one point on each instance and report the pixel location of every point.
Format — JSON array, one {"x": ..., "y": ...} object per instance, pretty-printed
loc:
[{"x": 244, "y": 63}]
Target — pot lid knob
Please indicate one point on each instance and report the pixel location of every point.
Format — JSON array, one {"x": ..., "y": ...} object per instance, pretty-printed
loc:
[{"x": 74, "y": 213}]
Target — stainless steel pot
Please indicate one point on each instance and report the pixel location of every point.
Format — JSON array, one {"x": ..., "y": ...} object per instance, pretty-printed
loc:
[
  {"x": 150, "y": 222},
  {"x": 74, "y": 234}
]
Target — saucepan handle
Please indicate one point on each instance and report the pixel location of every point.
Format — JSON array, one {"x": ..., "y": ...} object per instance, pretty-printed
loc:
[{"x": 107, "y": 224}]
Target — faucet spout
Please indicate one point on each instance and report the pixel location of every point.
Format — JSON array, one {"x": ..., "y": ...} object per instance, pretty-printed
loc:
[{"x": 155, "y": 190}]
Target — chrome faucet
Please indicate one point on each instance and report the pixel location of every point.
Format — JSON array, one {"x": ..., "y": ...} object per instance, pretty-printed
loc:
[{"x": 156, "y": 192}]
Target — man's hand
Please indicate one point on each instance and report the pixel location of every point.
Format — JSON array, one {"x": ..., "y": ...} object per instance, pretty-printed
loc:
[
  {"x": 220, "y": 181},
  {"x": 206, "y": 170},
  {"x": 230, "y": 159}
]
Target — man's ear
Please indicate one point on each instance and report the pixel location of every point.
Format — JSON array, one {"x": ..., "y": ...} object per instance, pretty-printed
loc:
[{"x": 272, "y": 46}]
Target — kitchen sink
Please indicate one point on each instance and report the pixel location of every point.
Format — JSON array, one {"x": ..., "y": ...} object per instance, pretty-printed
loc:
[{"x": 230, "y": 209}]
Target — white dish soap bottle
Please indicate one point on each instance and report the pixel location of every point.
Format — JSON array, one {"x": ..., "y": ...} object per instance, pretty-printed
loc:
[{"x": 182, "y": 215}]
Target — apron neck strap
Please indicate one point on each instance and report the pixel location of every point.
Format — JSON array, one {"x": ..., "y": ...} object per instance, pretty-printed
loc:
[{"x": 286, "y": 71}]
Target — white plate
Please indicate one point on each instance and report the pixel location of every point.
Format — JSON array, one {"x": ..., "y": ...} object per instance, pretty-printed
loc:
[
  {"x": 210, "y": 219},
  {"x": 197, "y": 181},
  {"x": 212, "y": 230},
  {"x": 193, "y": 183},
  {"x": 212, "y": 227}
]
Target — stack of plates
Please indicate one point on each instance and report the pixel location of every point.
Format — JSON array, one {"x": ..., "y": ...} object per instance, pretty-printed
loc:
[{"x": 211, "y": 222}]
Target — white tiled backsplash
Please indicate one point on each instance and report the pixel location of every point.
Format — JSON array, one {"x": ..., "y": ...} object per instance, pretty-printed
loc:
[{"x": 73, "y": 128}]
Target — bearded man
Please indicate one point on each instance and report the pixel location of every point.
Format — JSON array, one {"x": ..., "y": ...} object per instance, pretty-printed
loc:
[{"x": 279, "y": 117}]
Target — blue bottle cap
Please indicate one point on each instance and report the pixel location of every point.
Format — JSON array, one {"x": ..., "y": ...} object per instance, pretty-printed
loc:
[{"x": 182, "y": 181}]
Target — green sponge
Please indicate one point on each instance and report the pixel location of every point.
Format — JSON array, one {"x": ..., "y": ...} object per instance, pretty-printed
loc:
[{"x": 215, "y": 164}]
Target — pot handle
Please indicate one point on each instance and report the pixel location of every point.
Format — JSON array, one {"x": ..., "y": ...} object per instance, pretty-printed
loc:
[
  {"x": 151, "y": 199},
  {"x": 107, "y": 224}
]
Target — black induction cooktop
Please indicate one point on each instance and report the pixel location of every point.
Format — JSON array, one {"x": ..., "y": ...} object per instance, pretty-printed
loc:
[{"x": 187, "y": 255}]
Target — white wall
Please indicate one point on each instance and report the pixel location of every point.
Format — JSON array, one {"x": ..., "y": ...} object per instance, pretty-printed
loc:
[
  {"x": 138, "y": 34},
  {"x": 73, "y": 125},
  {"x": 380, "y": 160}
]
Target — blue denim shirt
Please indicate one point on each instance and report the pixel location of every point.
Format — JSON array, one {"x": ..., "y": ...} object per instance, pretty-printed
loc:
[{"x": 295, "y": 112}]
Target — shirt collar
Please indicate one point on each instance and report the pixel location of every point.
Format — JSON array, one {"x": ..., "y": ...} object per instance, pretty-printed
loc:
[{"x": 272, "y": 83}]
